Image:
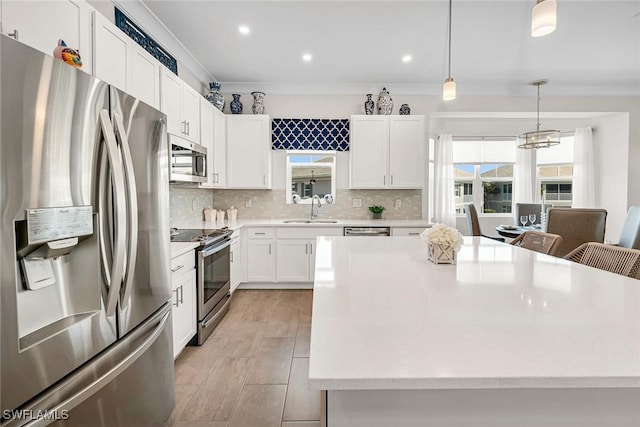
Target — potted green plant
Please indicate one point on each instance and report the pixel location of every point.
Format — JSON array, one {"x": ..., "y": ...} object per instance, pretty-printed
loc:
[{"x": 376, "y": 211}]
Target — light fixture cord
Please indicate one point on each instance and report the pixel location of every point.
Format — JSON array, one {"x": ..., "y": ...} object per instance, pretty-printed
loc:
[
  {"x": 538, "y": 111},
  {"x": 450, "y": 9}
]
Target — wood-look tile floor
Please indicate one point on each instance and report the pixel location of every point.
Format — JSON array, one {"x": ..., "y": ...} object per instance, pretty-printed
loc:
[{"x": 253, "y": 370}]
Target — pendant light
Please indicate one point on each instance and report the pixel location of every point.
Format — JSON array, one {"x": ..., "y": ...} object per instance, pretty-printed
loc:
[
  {"x": 538, "y": 138},
  {"x": 543, "y": 18},
  {"x": 449, "y": 86}
]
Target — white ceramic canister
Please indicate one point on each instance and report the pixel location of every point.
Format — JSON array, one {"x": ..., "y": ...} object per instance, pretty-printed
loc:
[
  {"x": 209, "y": 214},
  {"x": 220, "y": 216},
  {"x": 232, "y": 213}
]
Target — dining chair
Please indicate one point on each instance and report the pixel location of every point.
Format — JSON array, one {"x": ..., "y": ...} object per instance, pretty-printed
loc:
[
  {"x": 529, "y": 208},
  {"x": 576, "y": 226},
  {"x": 474, "y": 224},
  {"x": 611, "y": 258},
  {"x": 630, "y": 236},
  {"x": 538, "y": 241}
]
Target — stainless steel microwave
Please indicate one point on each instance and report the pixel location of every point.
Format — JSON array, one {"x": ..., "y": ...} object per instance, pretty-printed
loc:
[{"x": 188, "y": 161}]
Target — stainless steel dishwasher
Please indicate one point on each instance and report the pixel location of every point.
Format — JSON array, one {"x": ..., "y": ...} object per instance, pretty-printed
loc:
[{"x": 367, "y": 231}]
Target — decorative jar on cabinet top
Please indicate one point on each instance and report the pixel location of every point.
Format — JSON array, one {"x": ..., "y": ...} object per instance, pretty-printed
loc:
[
  {"x": 258, "y": 102},
  {"x": 405, "y": 110},
  {"x": 236, "y": 104},
  {"x": 369, "y": 105},
  {"x": 214, "y": 96},
  {"x": 385, "y": 103}
]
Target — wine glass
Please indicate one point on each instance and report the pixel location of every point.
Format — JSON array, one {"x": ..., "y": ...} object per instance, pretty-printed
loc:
[
  {"x": 523, "y": 220},
  {"x": 532, "y": 219}
]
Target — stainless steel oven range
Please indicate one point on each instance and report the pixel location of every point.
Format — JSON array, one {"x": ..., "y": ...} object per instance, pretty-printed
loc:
[{"x": 213, "y": 275}]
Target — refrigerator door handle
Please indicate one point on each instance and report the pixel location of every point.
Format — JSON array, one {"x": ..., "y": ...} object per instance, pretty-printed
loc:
[
  {"x": 132, "y": 210},
  {"x": 79, "y": 396},
  {"x": 114, "y": 278}
]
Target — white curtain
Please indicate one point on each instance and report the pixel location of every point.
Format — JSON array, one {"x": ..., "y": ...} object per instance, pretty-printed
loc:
[
  {"x": 523, "y": 185},
  {"x": 583, "y": 174},
  {"x": 444, "y": 201}
]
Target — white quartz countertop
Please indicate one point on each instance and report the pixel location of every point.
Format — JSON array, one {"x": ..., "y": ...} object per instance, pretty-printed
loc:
[
  {"x": 179, "y": 248},
  {"x": 280, "y": 223},
  {"x": 384, "y": 317}
]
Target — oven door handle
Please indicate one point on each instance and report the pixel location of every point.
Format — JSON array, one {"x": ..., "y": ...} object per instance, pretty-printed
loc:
[{"x": 215, "y": 248}]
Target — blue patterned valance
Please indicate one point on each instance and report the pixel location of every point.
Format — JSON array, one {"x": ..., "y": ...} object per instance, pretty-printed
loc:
[
  {"x": 131, "y": 29},
  {"x": 310, "y": 134}
]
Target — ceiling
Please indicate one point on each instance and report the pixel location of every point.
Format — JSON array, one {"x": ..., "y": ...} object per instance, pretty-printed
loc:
[{"x": 357, "y": 46}]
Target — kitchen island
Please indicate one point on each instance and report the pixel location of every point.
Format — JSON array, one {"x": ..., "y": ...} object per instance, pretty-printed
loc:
[{"x": 507, "y": 337}]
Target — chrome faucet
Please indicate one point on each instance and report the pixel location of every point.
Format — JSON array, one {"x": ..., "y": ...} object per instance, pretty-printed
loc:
[{"x": 314, "y": 210}]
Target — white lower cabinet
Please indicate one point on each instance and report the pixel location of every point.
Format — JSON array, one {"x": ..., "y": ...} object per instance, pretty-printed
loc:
[
  {"x": 294, "y": 260},
  {"x": 261, "y": 260},
  {"x": 406, "y": 231},
  {"x": 236, "y": 261},
  {"x": 183, "y": 309}
]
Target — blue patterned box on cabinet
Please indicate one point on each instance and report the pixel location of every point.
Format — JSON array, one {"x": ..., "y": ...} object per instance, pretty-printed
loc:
[{"x": 310, "y": 134}]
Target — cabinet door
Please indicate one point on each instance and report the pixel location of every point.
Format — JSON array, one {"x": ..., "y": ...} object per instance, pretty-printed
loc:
[
  {"x": 248, "y": 153},
  {"x": 261, "y": 266},
  {"x": 236, "y": 265},
  {"x": 171, "y": 102},
  {"x": 219, "y": 149},
  {"x": 191, "y": 112},
  {"x": 143, "y": 80},
  {"x": 293, "y": 260},
  {"x": 206, "y": 138},
  {"x": 111, "y": 52},
  {"x": 406, "y": 152},
  {"x": 369, "y": 152},
  {"x": 183, "y": 310},
  {"x": 40, "y": 24}
]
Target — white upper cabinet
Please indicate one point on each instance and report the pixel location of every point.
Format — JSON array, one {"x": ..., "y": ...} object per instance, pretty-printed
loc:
[
  {"x": 111, "y": 48},
  {"x": 181, "y": 104},
  {"x": 369, "y": 151},
  {"x": 406, "y": 152},
  {"x": 212, "y": 136},
  {"x": 248, "y": 151},
  {"x": 120, "y": 61},
  {"x": 40, "y": 24},
  {"x": 387, "y": 152}
]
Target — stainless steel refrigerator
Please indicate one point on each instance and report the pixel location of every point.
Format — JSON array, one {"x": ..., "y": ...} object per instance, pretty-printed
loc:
[{"x": 85, "y": 269}]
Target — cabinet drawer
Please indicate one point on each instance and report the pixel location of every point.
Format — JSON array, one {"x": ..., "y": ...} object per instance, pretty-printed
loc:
[
  {"x": 309, "y": 232},
  {"x": 183, "y": 263},
  {"x": 407, "y": 231},
  {"x": 261, "y": 233}
]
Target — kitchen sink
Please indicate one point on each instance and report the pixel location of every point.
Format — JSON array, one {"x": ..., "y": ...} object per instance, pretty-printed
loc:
[{"x": 310, "y": 221}]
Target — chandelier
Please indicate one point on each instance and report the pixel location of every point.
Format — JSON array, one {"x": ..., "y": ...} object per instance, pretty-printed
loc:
[{"x": 538, "y": 138}]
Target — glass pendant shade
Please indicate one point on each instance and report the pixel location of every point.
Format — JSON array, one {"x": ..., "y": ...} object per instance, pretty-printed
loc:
[
  {"x": 543, "y": 18},
  {"x": 449, "y": 90},
  {"x": 538, "y": 139}
]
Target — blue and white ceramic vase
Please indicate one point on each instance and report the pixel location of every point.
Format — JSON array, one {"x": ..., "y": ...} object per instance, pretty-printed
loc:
[
  {"x": 258, "y": 103},
  {"x": 385, "y": 103},
  {"x": 214, "y": 96},
  {"x": 405, "y": 110},
  {"x": 236, "y": 105},
  {"x": 369, "y": 105}
]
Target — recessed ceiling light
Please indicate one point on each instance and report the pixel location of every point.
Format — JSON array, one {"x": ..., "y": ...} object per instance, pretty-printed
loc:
[
  {"x": 307, "y": 57},
  {"x": 243, "y": 29},
  {"x": 406, "y": 58}
]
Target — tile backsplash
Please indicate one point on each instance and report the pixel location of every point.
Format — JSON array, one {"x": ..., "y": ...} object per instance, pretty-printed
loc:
[{"x": 187, "y": 204}]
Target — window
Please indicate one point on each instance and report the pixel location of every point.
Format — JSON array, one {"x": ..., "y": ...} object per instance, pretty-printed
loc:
[
  {"x": 310, "y": 173},
  {"x": 555, "y": 173},
  {"x": 495, "y": 180}
]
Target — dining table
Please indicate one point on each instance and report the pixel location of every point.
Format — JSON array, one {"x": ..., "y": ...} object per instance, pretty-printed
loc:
[{"x": 515, "y": 231}]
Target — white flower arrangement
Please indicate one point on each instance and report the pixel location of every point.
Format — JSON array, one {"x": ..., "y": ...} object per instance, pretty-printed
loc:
[{"x": 442, "y": 235}]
